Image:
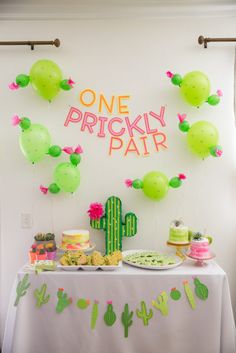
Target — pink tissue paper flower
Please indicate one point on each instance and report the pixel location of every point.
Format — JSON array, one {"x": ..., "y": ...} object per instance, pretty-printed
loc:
[
  {"x": 109, "y": 302},
  {"x": 129, "y": 183},
  {"x": 182, "y": 176},
  {"x": 219, "y": 93},
  {"x": 95, "y": 211},
  {"x": 68, "y": 150},
  {"x": 71, "y": 82},
  {"x": 13, "y": 86},
  {"x": 15, "y": 120},
  {"x": 43, "y": 189},
  {"x": 169, "y": 74},
  {"x": 181, "y": 117},
  {"x": 219, "y": 152},
  {"x": 78, "y": 149}
]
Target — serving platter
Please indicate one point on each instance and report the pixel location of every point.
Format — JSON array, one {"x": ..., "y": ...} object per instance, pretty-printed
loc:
[{"x": 89, "y": 267}]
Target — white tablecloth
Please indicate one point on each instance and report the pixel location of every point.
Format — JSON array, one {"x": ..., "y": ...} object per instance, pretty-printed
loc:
[{"x": 207, "y": 329}]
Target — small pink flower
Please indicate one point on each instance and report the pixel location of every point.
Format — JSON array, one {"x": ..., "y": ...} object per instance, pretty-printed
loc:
[
  {"x": 109, "y": 302},
  {"x": 43, "y": 189},
  {"x": 129, "y": 183},
  {"x": 68, "y": 150},
  {"x": 71, "y": 82},
  {"x": 78, "y": 149},
  {"x": 181, "y": 117},
  {"x": 169, "y": 74},
  {"x": 219, "y": 93},
  {"x": 13, "y": 86},
  {"x": 182, "y": 176},
  {"x": 60, "y": 289},
  {"x": 34, "y": 246},
  {"x": 219, "y": 152},
  {"x": 95, "y": 211},
  {"x": 15, "y": 120}
]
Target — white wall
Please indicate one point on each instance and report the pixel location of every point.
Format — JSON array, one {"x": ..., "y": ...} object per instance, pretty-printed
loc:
[{"x": 118, "y": 56}]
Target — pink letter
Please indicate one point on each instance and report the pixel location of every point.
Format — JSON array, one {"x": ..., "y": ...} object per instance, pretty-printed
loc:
[
  {"x": 134, "y": 149},
  {"x": 149, "y": 131},
  {"x": 117, "y": 147},
  {"x": 133, "y": 126},
  {"x": 160, "y": 142},
  {"x": 85, "y": 123},
  {"x": 143, "y": 138},
  {"x": 110, "y": 128},
  {"x": 72, "y": 119},
  {"x": 159, "y": 117},
  {"x": 102, "y": 119}
]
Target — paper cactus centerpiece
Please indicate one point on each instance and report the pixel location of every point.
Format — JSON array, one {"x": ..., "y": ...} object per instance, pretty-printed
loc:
[
  {"x": 112, "y": 223},
  {"x": 155, "y": 184}
]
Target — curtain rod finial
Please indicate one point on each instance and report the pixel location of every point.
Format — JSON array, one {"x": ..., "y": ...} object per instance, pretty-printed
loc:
[{"x": 57, "y": 42}]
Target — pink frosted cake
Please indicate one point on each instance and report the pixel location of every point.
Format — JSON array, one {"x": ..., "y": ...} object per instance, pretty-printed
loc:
[{"x": 199, "y": 248}]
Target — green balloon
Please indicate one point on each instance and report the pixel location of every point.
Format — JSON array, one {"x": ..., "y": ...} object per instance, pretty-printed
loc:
[
  {"x": 67, "y": 177},
  {"x": 137, "y": 184},
  {"x": 35, "y": 142},
  {"x": 22, "y": 80},
  {"x": 65, "y": 85},
  {"x": 54, "y": 151},
  {"x": 201, "y": 137},
  {"x": 54, "y": 188},
  {"x": 25, "y": 123},
  {"x": 184, "y": 126},
  {"x": 195, "y": 88},
  {"x": 177, "y": 80},
  {"x": 175, "y": 182},
  {"x": 155, "y": 185},
  {"x": 75, "y": 158},
  {"x": 214, "y": 99},
  {"x": 45, "y": 77}
]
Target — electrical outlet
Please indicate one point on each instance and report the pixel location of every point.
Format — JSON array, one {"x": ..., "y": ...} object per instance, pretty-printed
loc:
[{"x": 26, "y": 220}]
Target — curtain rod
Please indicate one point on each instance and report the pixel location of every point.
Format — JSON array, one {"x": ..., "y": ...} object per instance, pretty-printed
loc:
[
  {"x": 204, "y": 41},
  {"x": 32, "y": 43}
]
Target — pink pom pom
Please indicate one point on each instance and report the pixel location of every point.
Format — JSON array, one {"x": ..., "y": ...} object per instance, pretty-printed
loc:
[
  {"x": 129, "y": 183},
  {"x": 15, "y": 120},
  {"x": 78, "y": 149},
  {"x": 109, "y": 302},
  {"x": 182, "y": 176},
  {"x": 68, "y": 150},
  {"x": 181, "y": 117},
  {"x": 219, "y": 93},
  {"x": 13, "y": 86},
  {"x": 219, "y": 152},
  {"x": 43, "y": 189},
  {"x": 95, "y": 211},
  {"x": 169, "y": 74},
  {"x": 71, "y": 83}
]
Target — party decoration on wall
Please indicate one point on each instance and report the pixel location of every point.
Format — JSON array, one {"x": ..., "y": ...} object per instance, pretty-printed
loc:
[
  {"x": 195, "y": 88},
  {"x": 40, "y": 295},
  {"x": 46, "y": 78},
  {"x": 63, "y": 300},
  {"x": 161, "y": 303},
  {"x": 155, "y": 184},
  {"x": 143, "y": 313},
  {"x": 140, "y": 135},
  {"x": 111, "y": 222},
  {"x": 126, "y": 319},
  {"x": 201, "y": 289},
  {"x": 189, "y": 294},
  {"x": 94, "y": 314},
  {"x": 109, "y": 316},
  {"x": 82, "y": 303},
  {"x": 202, "y": 137},
  {"x": 175, "y": 294},
  {"x": 21, "y": 288}
]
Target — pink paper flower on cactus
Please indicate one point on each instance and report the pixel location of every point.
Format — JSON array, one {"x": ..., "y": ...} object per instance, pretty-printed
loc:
[
  {"x": 43, "y": 189},
  {"x": 13, "y": 86},
  {"x": 15, "y": 120},
  {"x": 181, "y": 117},
  {"x": 95, "y": 211},
  {"x": 182, "y": 176},
  {"x": 68, "y": 150},
  {"x": 219, "y": 93},
  {"x": 60, "y": 289},
  {"x": 71, "y": 83},
  {"x": 129, "y": 183},
  {"x": 169, "y": 74},
  {"x": 219, "y": 152},
  {"x": 109, "y": 302},
  {"x": 78, "y": 149}
]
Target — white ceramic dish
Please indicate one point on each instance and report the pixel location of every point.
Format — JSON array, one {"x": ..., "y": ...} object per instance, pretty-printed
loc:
[
  {"x": 178, "y": 260},
  {"x": 89, "y": 268}
]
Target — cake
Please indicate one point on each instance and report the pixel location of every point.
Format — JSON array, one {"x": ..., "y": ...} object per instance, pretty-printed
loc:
[
  {"x": 75, "y": 240},
  {"x": 199, "y": 247},
  {"x": 179, "y": 233}
]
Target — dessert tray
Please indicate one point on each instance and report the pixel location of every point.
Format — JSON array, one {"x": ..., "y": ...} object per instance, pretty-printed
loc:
[{"x": 151, "y": 260}]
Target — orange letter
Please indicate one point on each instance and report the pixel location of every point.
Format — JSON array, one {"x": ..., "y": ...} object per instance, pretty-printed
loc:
[
  {"x": 82, "y": 99},
  {"x": 72, "y": 119},
  {"x": 108, "y": 108},
  {"x": 161, "y": 142},
  {"x": 121, "y": 107},
  {"x": 111, "y": 144},
  {"x": 134, "y": 149}
]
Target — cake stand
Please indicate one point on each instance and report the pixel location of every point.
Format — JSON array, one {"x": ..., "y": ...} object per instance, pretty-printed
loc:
[
  {"x": 179, "y": 248},
  {"x": 200, "y": 261}
]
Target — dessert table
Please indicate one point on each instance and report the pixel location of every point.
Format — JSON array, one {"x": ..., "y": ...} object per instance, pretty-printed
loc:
[{"x": 194, "y": 323}]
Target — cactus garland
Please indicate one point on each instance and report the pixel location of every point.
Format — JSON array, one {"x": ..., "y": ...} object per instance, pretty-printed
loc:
[
  {"x": 109, "y": 316},
  {"x": 21, "y": 288},
  {"x": 201, "y": 289},
  {"x": 161, "y": 303},
  {"x": 112, "y": 223},
  {"x": 40, "y": 295},
  {"x": 189, "y": 294},
  {"x": 126, "y": 319},
  {"x": 143, "y": 314},
  {"x": 63, "y": 300},
  {"x": 82, "y": 303},
  {"x": 175, "y": 294},
  {"x": 94, "y": 314}
]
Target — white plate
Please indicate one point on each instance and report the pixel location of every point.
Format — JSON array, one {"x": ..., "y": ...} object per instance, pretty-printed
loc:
[
  {"x": 166, "y": 267},
  {"x": 91, "y": 248},
  {"x": 89, "y": 268}
]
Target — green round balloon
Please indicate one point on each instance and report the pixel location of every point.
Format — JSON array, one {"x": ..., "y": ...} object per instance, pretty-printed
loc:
[
  {"x": 75, "y": 158},
  {"x": 54, "y": 188},
  {"x": 45, "y": 77},
  {"x": 65, "y": 85},
  {"x": 35, "y": 142},
  {"x": 25, "y": 123},
  {"x": 54, "y": 151},
  {"x": 201, "y": 137},
  {"x": 176, "y": 80},
  {"x": 213, "y": 99},
  {"x": 137, "y": 184},
  {"x": 184, "y": 126},
  {"x": 67, "y": 177},
  {"x": 155, "y": 185},
  {"x": 195, "y": 88},
  {"x": 175, "y": 182},
  {"x": 22, "y": 80}
]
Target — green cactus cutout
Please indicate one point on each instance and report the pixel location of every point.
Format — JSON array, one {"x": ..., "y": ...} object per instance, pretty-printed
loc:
[
  {"x": 126, "y": 319},
  {"x": 82, "y": 303},
  {"x": 189, "y": 294},
  {"x": 143, "y": 314},
  {"x": 201, "y": 289},
  {"x": 40, "y": 295},
  {"x": 21, "y": 288},
  {"x": 175, "y": 294},
  {"x": 63, "y": 300},
  {"x": 94, "y": 314},
  {"x": 112, "y": 223},
  {"x": 109, "y": 316},
  {"x": 161, "y": 303}
]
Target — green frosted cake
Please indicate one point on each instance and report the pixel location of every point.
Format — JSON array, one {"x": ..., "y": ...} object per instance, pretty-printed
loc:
[{"x": 179, "y": 233}]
